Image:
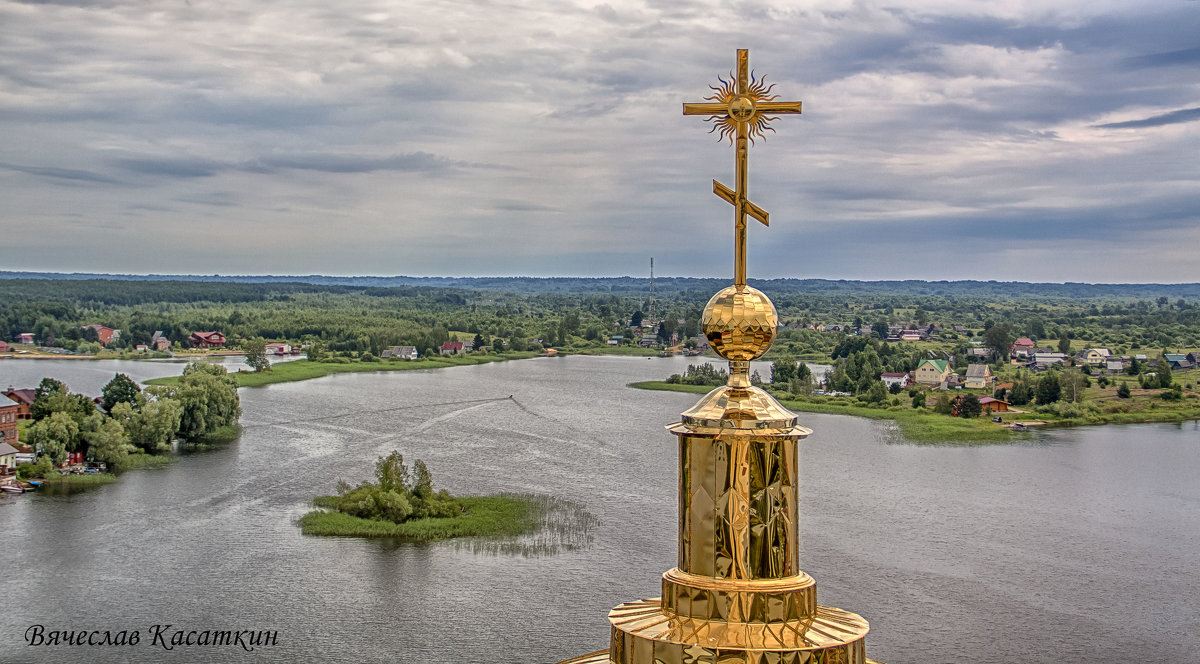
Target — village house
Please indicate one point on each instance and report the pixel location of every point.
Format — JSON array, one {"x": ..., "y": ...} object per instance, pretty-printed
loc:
[
  {"x": 141, "y": 348},
  {"x": 890, "y": 379},
  {"x": 1047, "y": 360},
  {"x": 911, "y": 335},
  {"x": 400, "y": 353},
  {"x": 1177, "y": 361},
  {"x": 4, "y": 347},
  {"x": 981, "y": 355},
  {"x": 1022, "y": 347},
  {"x": 276, "y": 348},
  {"x": 1114, "y": 366},
  {"x": 105, "y": 335},
  {"x": 993, "y": 405},
  {"x": 207, "y": 340},
  {"x": 8, "y": 459},
  {"x": 8, "y": 421},
  {"x": 24, "y": 338},
  {"x": 451, "y": 348},
  {"x": 1194, "y": 358},
  {"x": 979, "y": 376},
  {"x": 932, "y": 372},
  {"x": 1094, "y": 356},
  {"x": 158, "y": 341},
  {"x": 24, "y": 399}
]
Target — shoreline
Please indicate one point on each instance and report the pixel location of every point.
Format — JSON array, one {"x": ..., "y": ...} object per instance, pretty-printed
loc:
[{"x": 921, "y": 426}]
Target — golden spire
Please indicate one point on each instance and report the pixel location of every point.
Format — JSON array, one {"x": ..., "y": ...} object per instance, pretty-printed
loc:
[
  {"x": 739, "y": 111},
  {"x": 737, "y": 594}
]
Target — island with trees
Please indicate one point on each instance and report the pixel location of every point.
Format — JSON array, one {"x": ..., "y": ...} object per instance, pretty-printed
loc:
[{"x": 403, "y": 504}]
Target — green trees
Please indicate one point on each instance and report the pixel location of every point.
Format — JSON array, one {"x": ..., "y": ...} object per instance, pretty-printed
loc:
[
  {"x": 1073, "y": 383},
  {"x": 106, "y": 439},
  {"x": 1020, "y": 394},
  {"x": 208, "y": 400},
  {"x": 53, "y": 436},
  {"x": 999, "y": 338},
  {"x": 1064, "y": 345},
  {"x": 121, "y": 389},
  {"x": 1123, "y": 390},
  {"x": 783, "y": 370},
  {"x": 1049, "y": 389},
  {"x": 151, "y": 425},
  {"x": 47, "y": 389},
  {"x": 396, "y": 495},
  {"x": 969, "y": 406},
  {"x": 876, "y": 393},
  {"x": 256, "y": 354}
]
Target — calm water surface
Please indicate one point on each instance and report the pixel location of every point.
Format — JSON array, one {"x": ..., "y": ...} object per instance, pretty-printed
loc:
[{"x": 1081, "y": 546}]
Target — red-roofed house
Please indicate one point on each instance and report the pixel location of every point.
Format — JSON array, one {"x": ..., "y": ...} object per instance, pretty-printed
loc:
[
  {"x": 1022, "y": 347},
  {"x": 104, "y": 334},
  {"x": 452, "y": 348},
  {"x": 3, "y": 346},
  {"x": 894, "y": 378},
  {"x": 206, "y": 339},
  {"x": 24, "y": 398}
]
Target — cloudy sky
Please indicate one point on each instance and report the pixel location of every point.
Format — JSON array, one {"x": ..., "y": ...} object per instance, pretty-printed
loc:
[{"x": 941, "y": 139}]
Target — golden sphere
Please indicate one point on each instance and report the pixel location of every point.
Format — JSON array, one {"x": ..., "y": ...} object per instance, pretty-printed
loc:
[{"x": 739, "y": 323}]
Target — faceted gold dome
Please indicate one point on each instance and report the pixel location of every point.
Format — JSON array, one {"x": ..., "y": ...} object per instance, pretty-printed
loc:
[{"x": 740, "y": 323}]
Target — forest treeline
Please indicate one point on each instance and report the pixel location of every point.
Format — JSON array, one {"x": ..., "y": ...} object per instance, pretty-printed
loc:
[{"x": 575, "y": 313}]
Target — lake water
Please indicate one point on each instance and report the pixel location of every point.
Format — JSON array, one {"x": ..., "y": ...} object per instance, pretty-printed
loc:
[{"x": 1080, "y": 546}]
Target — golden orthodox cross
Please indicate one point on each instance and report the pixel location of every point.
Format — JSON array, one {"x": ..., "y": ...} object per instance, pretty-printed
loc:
[{"x": 738, "y": 110}]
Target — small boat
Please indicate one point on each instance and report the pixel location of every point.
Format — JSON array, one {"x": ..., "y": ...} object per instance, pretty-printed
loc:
[
  {"x": 35, "y": 483},
  {"x": 12, "y": 488},
  {"x": 1018, "y": 427}
]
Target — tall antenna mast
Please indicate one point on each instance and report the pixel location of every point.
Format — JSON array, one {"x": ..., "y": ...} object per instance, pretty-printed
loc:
[{"x": 652, "y": 291}]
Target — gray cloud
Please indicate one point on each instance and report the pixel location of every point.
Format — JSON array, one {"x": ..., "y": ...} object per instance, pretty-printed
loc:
[
  {"x": 70, "y": 175},
  {"x": 1174, "y": 117},
  {"x": 432, "y": 134}
]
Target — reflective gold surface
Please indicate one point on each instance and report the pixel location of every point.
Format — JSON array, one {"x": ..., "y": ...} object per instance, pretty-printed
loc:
[
  {"x": 739, "y": 112},
  {"x": 738, "y": 595},
  {"x": 739, "y": 323}
]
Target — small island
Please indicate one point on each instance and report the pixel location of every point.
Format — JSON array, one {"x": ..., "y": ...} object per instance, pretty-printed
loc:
[{"x": 403, "y": 504}]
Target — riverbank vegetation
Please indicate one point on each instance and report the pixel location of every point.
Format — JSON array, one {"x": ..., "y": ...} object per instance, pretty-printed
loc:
[
  {"x": 127, "y": 427},
  {"x": 1060, "y": 395},
  {"x": 403, "y": 504}
]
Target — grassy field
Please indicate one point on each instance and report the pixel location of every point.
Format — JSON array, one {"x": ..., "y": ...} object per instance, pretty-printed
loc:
[
  {"x": 504, "y": 515},
  {"x": 81, "y": 481},
  {"x": 1099, "y": 406},
  {"x": 918, "y": 426}
]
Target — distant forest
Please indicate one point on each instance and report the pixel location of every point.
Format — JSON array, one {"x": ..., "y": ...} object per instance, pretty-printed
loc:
[
  {"x": 368, "y": 314},
  {"x": 668, "y": 286}
]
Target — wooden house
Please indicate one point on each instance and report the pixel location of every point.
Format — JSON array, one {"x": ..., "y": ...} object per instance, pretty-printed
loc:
[
  {"x": 979, "y": 376},
  {"x": 207, "y": 340},
  {"x": 993, "y": 405}
]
